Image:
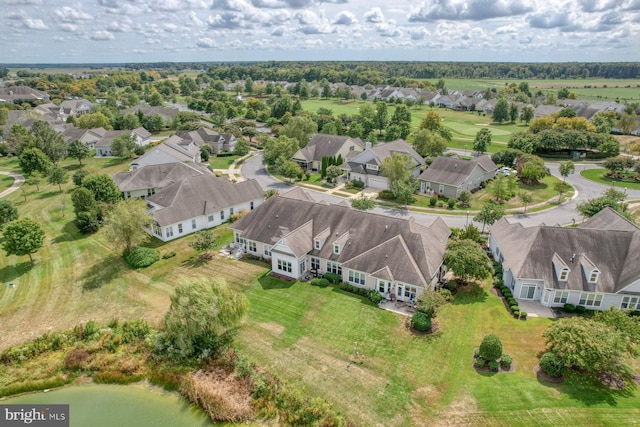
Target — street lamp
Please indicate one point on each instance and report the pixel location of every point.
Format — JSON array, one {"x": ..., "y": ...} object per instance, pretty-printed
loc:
[{"x": 467, "y": 223}]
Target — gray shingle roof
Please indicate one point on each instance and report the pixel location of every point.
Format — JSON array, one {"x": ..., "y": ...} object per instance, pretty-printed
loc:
[
  {"x": 323, "y": 145},
  {"x": 201, "y": 195},
  {"x": 453, "y": 170},
  {"x": 411, "y": 252},
  {"x": 156, "y": 176},
  {"x": 528, "y": 252}
]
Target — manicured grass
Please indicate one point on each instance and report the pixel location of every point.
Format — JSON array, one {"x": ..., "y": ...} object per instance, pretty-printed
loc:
[
  {"x": 221, "y": 162},
  {"x": 5, "y": 182},
  {"x": 598, "y": 175}
]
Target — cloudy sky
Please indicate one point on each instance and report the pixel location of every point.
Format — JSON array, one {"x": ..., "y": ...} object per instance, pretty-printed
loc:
[{"x": 94, "y": 31}]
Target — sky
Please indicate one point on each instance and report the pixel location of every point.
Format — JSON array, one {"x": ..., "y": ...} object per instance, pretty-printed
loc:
[{"x": 117, "y": 31}]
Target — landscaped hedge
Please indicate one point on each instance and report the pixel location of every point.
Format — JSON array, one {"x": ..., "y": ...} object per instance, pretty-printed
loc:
[
  {"x": 386, "y": 195},
  {"x": 552, "y": 365},
  {"x": 420, "y": 322},
  {"x": 141, "y": 257},
  {"x": 333, "y": 278},
  {"x": 323, "y": 283},
  {"x": 569, "y": 308}
]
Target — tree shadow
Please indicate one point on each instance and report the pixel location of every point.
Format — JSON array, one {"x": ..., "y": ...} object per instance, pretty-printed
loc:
[
  {"x": 103, "y": 272},
  {"x": 12, "y": 272},
  {"x": 470, "y": 293},
  {"x": 69, "y": 233},
  {"x": 590, "y": 391},
  {"x": 49, "y": 194},
  {"x": 268, "y": 282},
  {"x": 198, "y": 260}
]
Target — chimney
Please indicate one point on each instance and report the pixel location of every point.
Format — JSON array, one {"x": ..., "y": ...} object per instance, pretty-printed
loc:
[{"x": 367, "y": 145}]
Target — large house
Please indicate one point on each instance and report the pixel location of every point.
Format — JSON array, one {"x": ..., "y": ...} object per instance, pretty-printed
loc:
[
  {"x": 141, "y": 137},
  {"x": 323, "y": 145},
  {"x": 448, "y": 176},
  {"x": 173, "y": 150},
  {"x": 19, "y": 94},
  {"x": 147, "y": 181},
  {"x": 365, "y": 166},
  {"x": 200, "y": 202},
  {"x": 218, "y": 142},
  {"x": 395, "y": 256},
  {"x": 594, "y": 265}
]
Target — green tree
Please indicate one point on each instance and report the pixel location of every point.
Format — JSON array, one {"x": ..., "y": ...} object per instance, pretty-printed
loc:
[
  {"x": 248, "y": 85},
  {"x": 123, "y": 145},
  {"x": 94, "y": 120},
  {"x": 427, "y": 143},
  {"x": 8, "y": 212},
  {"x": 403, "y": 191},
  {"x": 35, "y": 178},
  {"x": 491, "y": 347},
  {"x": 204, "y": 241},
  {"x": 611, "y": 198},
  {"x": 566, "y": 169},
  {"x": 628, "y": 326},
  {"x": 464, "y": 198},
  {"x": 362, "y": 202},
  {"x": 57, "y": 176},
  {"x": 527, "y": 113},
  {"x": 431, "y": 121},
  {"x": 513, "y": 112},
  {"x": 602, "y": 348},
  {"x": 300, "y": 128},
  {"x": 279, "y": 149},
  {"x": 155, "y": 100},
  {"x": 23, "y": 236},
  {"x": 381, "y": 116},
  {"x": 627, "y": 122},
  {"x": 560, "y": 187},
  {"x": 78, "y": 150},
  {"x": 430, "y": 302},
  {"x": 397, "y": 167},
  {"x": 333, "y": 172},
  {"x": 241, "y": 148},
  {"x": 533, "y": 170},
  {"x": 34, "y": 160},
  {"x": 102, "y": 187},
  {"x": 525, "y": 198},
  {"x": 482, "y": 140},
  {"x": 49, "y": 141},
  {"x": 201, "y": 319},
  {"x": 498, "y": 188},
  {"x": 289, "y": 169},
  {"x": 467, "y": 260},
  {"x": 126, "y": 222},
  {"x": 489, "y": 214},
  {"x": 501, "y": 110}
]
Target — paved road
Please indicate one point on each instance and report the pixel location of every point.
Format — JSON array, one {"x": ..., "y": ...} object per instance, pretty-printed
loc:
[
  {"x": 563, "y": 214},
  {"x": 18, "y": 180}
]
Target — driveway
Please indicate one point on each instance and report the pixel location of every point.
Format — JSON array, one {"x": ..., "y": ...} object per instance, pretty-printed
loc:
[{"x": 18, "y": 180}]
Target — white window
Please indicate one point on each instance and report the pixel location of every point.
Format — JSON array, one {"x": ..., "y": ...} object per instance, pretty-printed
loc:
[
  {"x": 222, "y": 215},
  {"x": 410, "y": 292},
  {"x": 179, "y": 228},
  {"x": 128, "y": 195},
  {"x": 560, "y": 297},
  {"x": 357, "y": 277},
  {"x": 564, "y": 274},
  {"x": 590, "y": 300},
  {"x": 252, "y": 246},
  {"x": 334, "y": 267},
  {"x": 156, "y": 229},
  {"x": 193, "y": 224},
  {"x": 630, "y": 303},
  {"x": 168, "y": 231},
  {"x": 336, "y": 249},
  {"x": 316, "y": 244},
  {"x": 210, "y": 218},
  {"x": 284, "y": 266},
  {"x": 441, "y": 189},
  {"x": 593, "y": 277},
  {"x": 315, "y": 263},
  {"x": 267, "y": 250},
  {"x": 527, "y": 291},
  {"x": 383, "y": 286},
  {"x": 230, "y": 211},
  {"x": 303, "y": 266}
]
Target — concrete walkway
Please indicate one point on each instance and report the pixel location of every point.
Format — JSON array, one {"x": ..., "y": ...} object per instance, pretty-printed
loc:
[
  {"x": 233, "y": 171},
  {"x": 18, "y": 180},
  {"x": 535, "y": 309}
]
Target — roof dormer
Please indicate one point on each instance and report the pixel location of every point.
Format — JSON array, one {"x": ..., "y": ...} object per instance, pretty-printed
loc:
[
  {"x": 560, "y": 267},
  {"x": 590, "y": 270},
  {"x": 321, "y": 238},
  {"x": 339, "y": 243}
]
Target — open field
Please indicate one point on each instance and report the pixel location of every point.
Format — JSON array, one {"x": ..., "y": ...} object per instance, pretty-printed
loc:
[{"x": 305, "y": 334}]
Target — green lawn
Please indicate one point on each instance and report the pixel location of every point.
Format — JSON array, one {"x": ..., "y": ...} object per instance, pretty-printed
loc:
[
  {"x": 221, "y": 162},
  {"x": 5, "y": 182},
  {"x": 598, "y": 175}
]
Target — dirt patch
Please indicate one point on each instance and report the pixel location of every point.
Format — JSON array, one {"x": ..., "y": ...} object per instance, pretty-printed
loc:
[
  {"x": 541, "y": 375},
  {"x": 273, "y": 328},
  {"x": 459, "y": 413}
]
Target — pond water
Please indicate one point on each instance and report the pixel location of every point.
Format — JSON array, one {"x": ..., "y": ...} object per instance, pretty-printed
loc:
[{"x": 103, "y": 405}]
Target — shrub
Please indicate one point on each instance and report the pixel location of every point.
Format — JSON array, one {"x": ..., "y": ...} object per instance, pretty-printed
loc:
[
  {"x": 420, "y": 322},
  {"x": 569, "y": 308},
  {"x": 634, "y": 313},
  {"x": 505, "y": 361},
  {"x": 514, "y": 307},
  {"x": 523, "y": 315},
  {"x": 494, "y": 365},
  {"x": 357, "y": 183},
  {"x": 433, "y": 200},
  {"x": 512, "y": 301},
  {"x": 552, "y": 364},
  {"x": 333, "y": 278},
  {"x": 479, "y": 362},
  {"x": 451, "y": 203},
  {"x": 168, "y": 255},
  {"x": 375, "y": 297},
  {"x": 491, "y": 347},
  {"x": 581, "y": 309},
  {"x": 237, "y": 216},
  {"x": 446, "y": 293},
  {"x": 386, "y": 195},
  {"x": 516, "y": 313},
  {"x": 76, "y": 359},
  {"x": 142, "y": 257},
  {"x": 320, "y": 282},
  {"x": 507, "y": 293},
  {"x": 451, "y": 285}
]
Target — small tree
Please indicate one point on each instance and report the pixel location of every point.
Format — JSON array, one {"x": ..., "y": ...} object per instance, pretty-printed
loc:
[
  {"x": 525, "y": 198},
  {"x": 560, "y": 187},
  {"x": 362, "y": 202},
  {"x": 8, "y": 213},
  {"x": 22, "y": 237},
  {"x": 126, "y": 223},
  {"x": 123, "y": 145},
  {"x": 489, "y": 214},
  {"x": 498, "y": 188},
  {"x": 104, "y": 189},
  {"x": 57, "y": 176},
  {"x": 242, "y": 146},
  {"x": 289, "y": 169},
  {"x": 467, "y": 260},
  {"x": 490, "y": 348},
  {"x": 78, "y": 150},
  {"x": 465, "y": 198},
  {"x": 204, "y": 242},
  {"x": 482, "y": 140},
  {"x": 34, "y": 160},
  {"x": 333, "y": 172},
  {"x": 566, "y": 169}
]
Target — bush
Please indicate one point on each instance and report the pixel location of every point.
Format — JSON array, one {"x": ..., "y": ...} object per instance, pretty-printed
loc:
[
  {"x": 79, "y": 176},
  {"x": 386, "y": 195},
  {"x": 479, "y": 362},
  {"x": 507, "y": 293},
  {"x": 494, "y": 365},
  {"x": 237, "y": 216},
  {"x": 569, "y": 308},
  {"x": 323, "y": 283},
  {"x": 168, "y": 255},
  {"x": 451, "y": 285},
  {"x": 433, "y": 201},
  {"x": 491, "y": 347},
  {"x": 446, "y": 293},
  {"x": 357, "y": 183},
  {"x": 420, "y": 322},
  {"x": 512, "y": 301},
  {"x": 514, "y": 308},
  {"x": 581, "y": 309},
  {"x": 375, "y": 297},
  {"x": 523, "y": 315},
  {"x": 634, "y": 313},
  {"x": 333, "y": 278},
  {"x": 451, "y": 203},
  {"x": 516, "y": 313},
  {"x": 141, "y": 257},
  {"x": 505, "y": 361},
  {"x": 552, "y": 365}
]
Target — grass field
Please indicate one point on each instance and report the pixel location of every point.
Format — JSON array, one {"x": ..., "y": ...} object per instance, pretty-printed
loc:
[
  {"x": 305, "y": 334},
  {"x": 5, "y": 182},
  {"x": 221, "y": 162},
  {"x": 598, "y": 175}
]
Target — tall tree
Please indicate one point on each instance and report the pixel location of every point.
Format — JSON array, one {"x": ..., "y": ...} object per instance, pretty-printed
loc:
[
  {"x": 527, "y": 113},
  {"x": 49, "y": 141},
  {"x": 627, "y": 122},
  {"x": 566, "y": 169},
  {"x": 201, "y": 318},
  {"x": 78, "y": 150},
  {"x": 34, "y": 160},
  {"x": 431, "y": 121},
  {"x": 382, "y": 116},
  {"x": 467, "y": 260},
  {"x": 23, "y": 236},
  {"x": 513, "y": 112},
  {"x": 427, "y": 143},
  {"x": 57, "y": 176},
  {"x": 300, "y": 128},
  {"x": 276, "y": 150},
  {"x": 123, "y": 145},
  {"x": 289, "y": 169},
  {"x": 498, "y": 188},
  {"x": 126, "y": 223},
  {"x": 8, "y": 212},
  {"x": 94, "y": 120},
  {"x": 482, "y": 140},
  {"x": 501, "y": 110},
  {"x": 102, "y": 187},
  {"x": 397, "y": 167},
  {"x": 489, "y": 214}
]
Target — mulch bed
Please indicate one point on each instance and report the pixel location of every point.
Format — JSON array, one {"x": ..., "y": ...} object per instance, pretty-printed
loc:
[
  {"x": 495, "y": 291},
  {"x": 541, "y": 375},
  {"x": 434, "y": 327}
]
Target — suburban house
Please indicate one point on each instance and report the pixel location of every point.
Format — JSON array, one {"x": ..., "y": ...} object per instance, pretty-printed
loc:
[
  {"x": 394, "y": 256},
  {"x": 365, "y": 166},
  {"x": 141, "y": 137},
  {"x": 147, "y": 181},
  {"x": 167, "y": 114},
  {"x": 594, "y": 265},
  {"x": 323, "y": 145},
  {"x": 19, "y": 94},
  {"x": 74, "y": 107},
  {"x": 204, "y": 136},
  {"x": 88, "y": 136},
  {"x": 199, "y": 202},
  {"x": 448, "y": 176},
  {"x": 173, "y": 150}
]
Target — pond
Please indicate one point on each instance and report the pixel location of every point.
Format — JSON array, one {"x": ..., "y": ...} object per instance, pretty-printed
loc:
[{"x": 102, "y": 405}]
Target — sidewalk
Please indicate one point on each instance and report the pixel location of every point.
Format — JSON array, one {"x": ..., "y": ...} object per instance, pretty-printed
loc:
[
  {"x": 18, "y": 180},
  {"x": 234, "y": 171}
]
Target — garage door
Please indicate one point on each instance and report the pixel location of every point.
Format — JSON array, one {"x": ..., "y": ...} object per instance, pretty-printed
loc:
[{"x": 378, "y": 182}]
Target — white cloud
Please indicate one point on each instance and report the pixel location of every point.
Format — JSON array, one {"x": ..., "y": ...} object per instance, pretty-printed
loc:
[
  {"x": 278, "y": 32},
  {"x": 206, "y": 43},
  {"x": 474, "y": 10},
  {"x": 70, "y": 28},
  {"x": 345, "y": 18},
  {"x": 102, "y": 36},
  {"x": 72, "y": 15},
  {"x": 35, "y": 24},
  {"x": 419, "y": 33},
  {"x": 193, "y": 17},
  {"x": 374, "y": 16}
]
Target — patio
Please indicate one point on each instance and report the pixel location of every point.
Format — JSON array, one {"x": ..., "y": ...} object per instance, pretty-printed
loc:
[{"x": 535, "y": 309}]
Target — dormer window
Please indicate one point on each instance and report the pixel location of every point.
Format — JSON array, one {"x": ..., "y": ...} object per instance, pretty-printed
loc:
[
  {"x": 336, "y": 249},
  {"x": 564, "y": 273},
  {"x": 316, "y": 244},
  {"x": 593, "y": 277}
]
